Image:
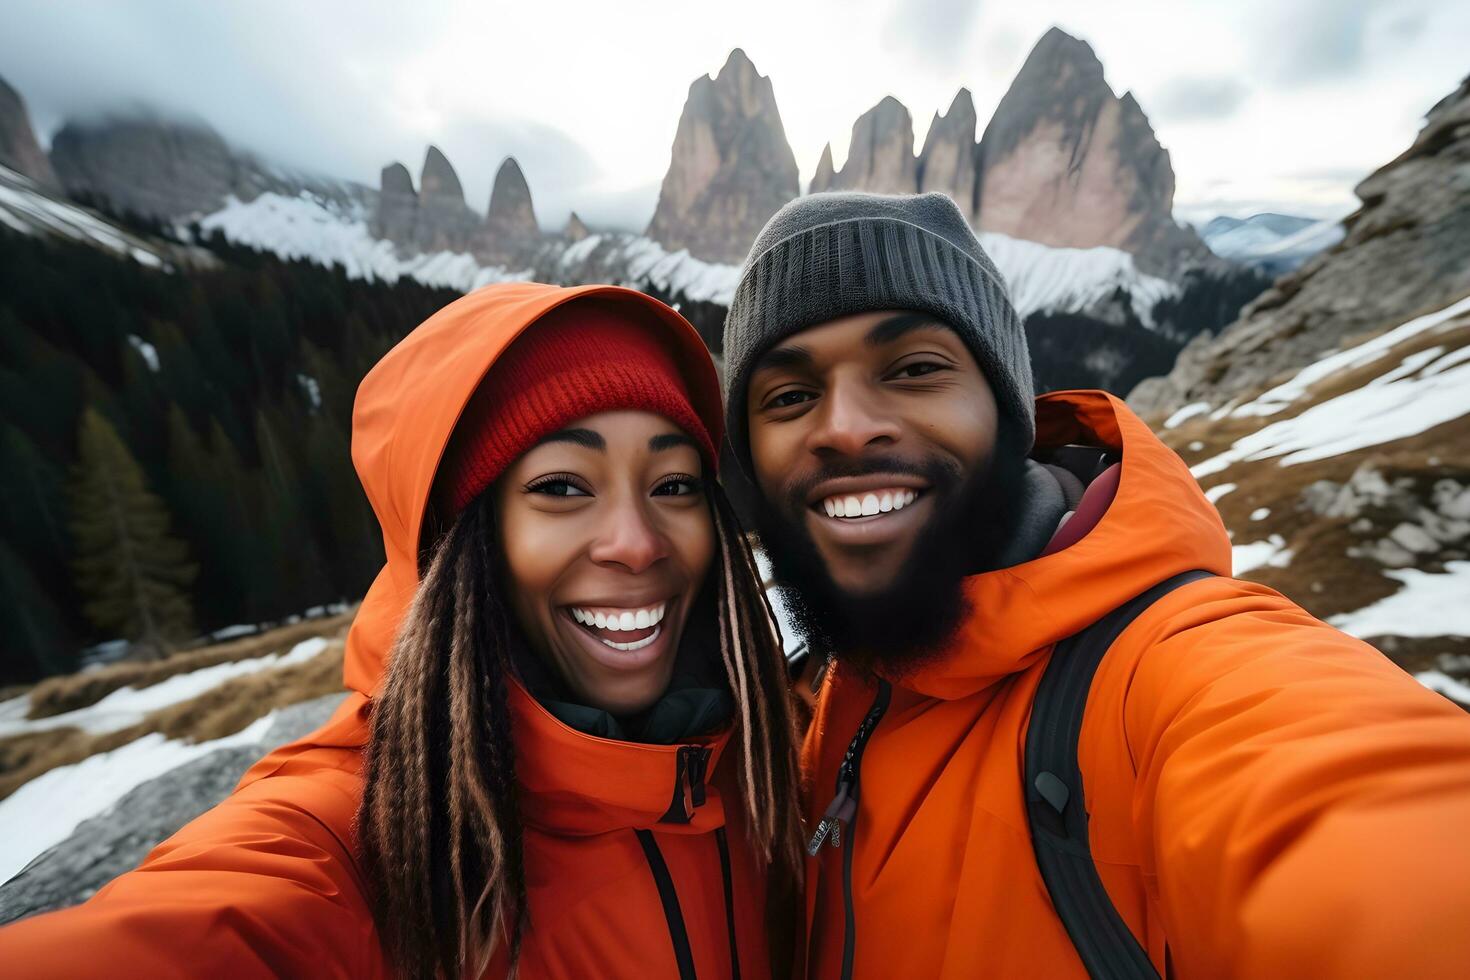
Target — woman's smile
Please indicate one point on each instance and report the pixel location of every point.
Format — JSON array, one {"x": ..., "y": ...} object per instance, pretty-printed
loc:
[{"x": 621, "y": 636}]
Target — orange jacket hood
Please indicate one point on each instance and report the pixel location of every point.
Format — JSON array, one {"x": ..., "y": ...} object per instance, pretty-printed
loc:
[
  {"x": 1158, "y": 524},
  {"x": 406, "y": 410}
]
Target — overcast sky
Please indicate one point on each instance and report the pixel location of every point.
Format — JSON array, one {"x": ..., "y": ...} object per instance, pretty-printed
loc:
[{"x": 1263, "y": 104}]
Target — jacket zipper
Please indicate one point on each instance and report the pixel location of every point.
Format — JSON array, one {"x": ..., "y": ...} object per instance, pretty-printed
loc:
[
  {"x": 842, "y": 812},
  {"x": 690, "y": 770}
]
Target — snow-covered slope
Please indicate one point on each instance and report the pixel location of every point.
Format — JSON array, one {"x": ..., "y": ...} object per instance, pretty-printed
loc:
[
  {"x": 1040, "y": 278},
  {"x": 1346, "y": 485},
  {"x": 28, "y": 208},
  {"x": 1275, "y": 243}
]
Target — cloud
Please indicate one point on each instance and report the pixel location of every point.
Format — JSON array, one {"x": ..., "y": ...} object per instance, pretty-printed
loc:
[
  {"x": 1187, "y": 98},
  {"x": 1322, "y": 40},
  {"x": 937, "y": 31}
]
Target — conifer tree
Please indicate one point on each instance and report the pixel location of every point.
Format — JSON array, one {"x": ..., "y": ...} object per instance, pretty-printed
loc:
[{"x": 132, "y": 575}]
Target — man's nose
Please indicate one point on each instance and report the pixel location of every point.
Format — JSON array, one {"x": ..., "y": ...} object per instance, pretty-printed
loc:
[
  {"x": 629, "y": 538},
  {"x": 851, "y": 418}
]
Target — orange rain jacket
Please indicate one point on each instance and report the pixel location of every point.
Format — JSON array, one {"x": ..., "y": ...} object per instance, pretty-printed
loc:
[
  {"x": 1268, "y": 797},
  {"x": 267, "y": 883}
]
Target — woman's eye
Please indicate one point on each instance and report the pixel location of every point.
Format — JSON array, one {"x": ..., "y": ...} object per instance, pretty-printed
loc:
[
  {"x": 681, "y": 486},
  {"x": 788, "y": 398},
  {"x": 558, "y": 487}
]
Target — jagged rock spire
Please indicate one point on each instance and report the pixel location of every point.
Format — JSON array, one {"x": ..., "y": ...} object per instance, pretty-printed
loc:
[
  {"x": 19, "y": 149},
  {"x": 947, "y": 162},
  {"x": 880, "y": 157},
  {"x": 730, "y": 168}
]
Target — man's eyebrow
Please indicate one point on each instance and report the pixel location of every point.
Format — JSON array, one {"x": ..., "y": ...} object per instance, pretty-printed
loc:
[
  {"x": 889, "y": 330},
  {"x": 669, "y": 440},
  {"x": 789, "y": 356},
  {"x": 581, "y": 437}
]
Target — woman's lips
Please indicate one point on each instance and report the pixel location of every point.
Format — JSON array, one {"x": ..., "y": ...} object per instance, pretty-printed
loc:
[{"x": 621, "y": 636}]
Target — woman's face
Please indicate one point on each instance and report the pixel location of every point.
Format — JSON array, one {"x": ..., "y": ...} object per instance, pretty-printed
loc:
[{"x": 607, "y": 537}]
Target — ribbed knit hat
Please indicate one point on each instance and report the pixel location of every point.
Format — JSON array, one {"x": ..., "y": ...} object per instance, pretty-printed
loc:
[
  {"x": 582, "y": 358},
  {"x": 826, "y": 256}
]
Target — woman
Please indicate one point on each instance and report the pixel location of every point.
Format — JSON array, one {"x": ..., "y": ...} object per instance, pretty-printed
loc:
[{"x": 569, "y": 750}]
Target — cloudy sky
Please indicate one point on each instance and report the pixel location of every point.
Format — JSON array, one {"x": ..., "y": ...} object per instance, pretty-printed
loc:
[{"x": 1263, "y": 104}]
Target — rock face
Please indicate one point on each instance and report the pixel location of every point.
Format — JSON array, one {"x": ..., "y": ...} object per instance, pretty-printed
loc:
[
  {"x": 1406, "y": 251},
  {"x": 116, "y": 840},
  {"x": 731, "y": 166},
  {"x": 169, "y": 170},
  {"x": 445, "y": 222},
  {"x": 880, "y": 157},
  {"x": 19, "y": 149},
  {"x": 510, "y": 224},
  {"x": 398, "y": 205},
  {"x": 148, "y": 167},
  {"x": 1065, "y": 162},
  {"x": 822, "y": 179},
  {"x": 947, "y": 162},
  {"x": 575, "y": 230}
]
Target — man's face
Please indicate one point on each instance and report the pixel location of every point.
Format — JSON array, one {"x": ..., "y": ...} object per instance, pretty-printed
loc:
[{"x": 864, "y": 432}]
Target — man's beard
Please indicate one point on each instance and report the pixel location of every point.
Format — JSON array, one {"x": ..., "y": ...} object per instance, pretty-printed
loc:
[{"x": 903, "y": 626}]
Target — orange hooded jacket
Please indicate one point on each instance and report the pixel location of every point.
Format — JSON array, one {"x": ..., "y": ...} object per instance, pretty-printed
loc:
[
  {"x": 1268, "y": 797},
  {"x": 267, "y": 883}
]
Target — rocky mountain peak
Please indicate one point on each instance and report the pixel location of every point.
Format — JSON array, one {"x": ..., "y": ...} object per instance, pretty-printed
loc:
[
  {"x": 437, "y": 180},
  {"x": 19, "y": 149},
  {"x": 880, "y": 156},
  {"x": 730, "y": 168},
  {"x": 398, "y": 205},
  {"x": 1065, "y": 162},
  {"x": 947, "y": 162},
  {"x": 510, "y": 211},
  {"x": 575, "y": 230},
  {"x": 822, "y": 179},
  {"x": 1414, "y": 220}
]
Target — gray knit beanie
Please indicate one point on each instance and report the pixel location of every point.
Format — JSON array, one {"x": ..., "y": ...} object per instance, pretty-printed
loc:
[{"x": 831, "y": 255}]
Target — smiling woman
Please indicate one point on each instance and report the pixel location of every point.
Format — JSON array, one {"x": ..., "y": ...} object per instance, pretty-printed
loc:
[{"x": 571, "y": 752}]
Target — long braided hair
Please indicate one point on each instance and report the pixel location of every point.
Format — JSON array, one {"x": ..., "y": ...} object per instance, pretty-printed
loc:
[{"x": 439, "y": 825}]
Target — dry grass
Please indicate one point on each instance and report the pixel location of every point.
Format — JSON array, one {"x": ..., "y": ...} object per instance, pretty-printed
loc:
[
  {"x": 216, "y": 713},
  {"x": 58, "y": 695}
]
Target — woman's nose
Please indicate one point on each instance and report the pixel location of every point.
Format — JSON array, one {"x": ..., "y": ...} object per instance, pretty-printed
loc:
[{"x": 629, "y": 538}]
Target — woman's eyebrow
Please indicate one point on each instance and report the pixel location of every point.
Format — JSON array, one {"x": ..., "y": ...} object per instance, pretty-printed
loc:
[
  {"x": 669, "y": 440},
  {"x": 580, "y": 437}
]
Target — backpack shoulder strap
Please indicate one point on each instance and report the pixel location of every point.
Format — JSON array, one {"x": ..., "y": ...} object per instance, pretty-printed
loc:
[{"x": 1055, "y": 804}]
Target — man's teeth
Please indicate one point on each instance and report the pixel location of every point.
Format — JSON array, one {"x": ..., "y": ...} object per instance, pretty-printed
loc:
[
  {"x": 616, "y": 620},
  {"x": 878, "y": 502}
]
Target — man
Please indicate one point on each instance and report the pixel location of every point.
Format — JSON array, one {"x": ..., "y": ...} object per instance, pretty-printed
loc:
[{"x": 1264, "y": 796}]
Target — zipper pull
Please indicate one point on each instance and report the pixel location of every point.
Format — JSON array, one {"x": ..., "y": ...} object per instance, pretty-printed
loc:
[
  {"x": 697, "y": 772},
  {"x": 830, "y": 828}
]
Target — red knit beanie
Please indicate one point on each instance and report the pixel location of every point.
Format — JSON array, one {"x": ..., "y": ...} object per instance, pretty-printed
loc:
[{"x": 584, "y": 357}]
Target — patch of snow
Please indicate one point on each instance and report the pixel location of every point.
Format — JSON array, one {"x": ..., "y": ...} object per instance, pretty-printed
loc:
[
  {"x": 127, "y": 706},
  {"x": 1258, "y": 554},
  {"x": 1283, "y": 395},
  {"x": 312, "y": 388},
  {"x": 47, "y": 809},
  {"x": 1260, "y": 513},
  {"x": 1043, "y": 278},
  {"x": 1443, "y": 683},
  {"x": 26, "y": 208},
  {"x": 1214, "y": 494},
  {"x": 1186, "y": 413},
  {"x": 1411, "y": 398},
  {"x": 789, "y": 639},
  {"x": 230, "y": 632},
  {"x": 1429, "y": 604},
  {"x": 147, "y": 351}
]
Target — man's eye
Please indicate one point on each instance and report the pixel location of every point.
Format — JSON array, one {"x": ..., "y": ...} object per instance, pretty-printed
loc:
[
  {"x": 788, "y": 398},
  {"x": 679, "y": 486},
  {"x": 557, "y": 486},
  {"x": 917, "y": 369}
]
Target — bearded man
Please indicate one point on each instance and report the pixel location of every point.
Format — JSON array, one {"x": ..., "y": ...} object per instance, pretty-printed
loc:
[{"x": 1248, "y": 792}]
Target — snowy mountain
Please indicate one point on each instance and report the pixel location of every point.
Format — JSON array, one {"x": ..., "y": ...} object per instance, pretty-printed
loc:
[{"x": 1273, "y": 243}]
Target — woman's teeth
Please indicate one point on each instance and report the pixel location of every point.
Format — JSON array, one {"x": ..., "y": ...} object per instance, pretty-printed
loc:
[
  {"x": 877, "y": 502},
  {"x": 616, "y": 620}
]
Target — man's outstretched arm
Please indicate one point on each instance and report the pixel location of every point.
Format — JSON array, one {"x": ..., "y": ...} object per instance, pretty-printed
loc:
[{"x": 1304, "y": 803}]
